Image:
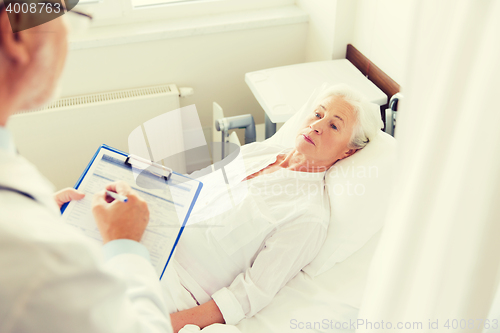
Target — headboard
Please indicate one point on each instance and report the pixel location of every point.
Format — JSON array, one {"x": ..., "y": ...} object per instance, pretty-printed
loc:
[
  {"x": 372, "y": 72},
  {"x": 383, "y": 81}
]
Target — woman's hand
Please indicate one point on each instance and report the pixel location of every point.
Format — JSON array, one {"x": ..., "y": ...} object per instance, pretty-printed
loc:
[
  {"x": 201, "y": 315},
  {"x": 66, "y": 195}
]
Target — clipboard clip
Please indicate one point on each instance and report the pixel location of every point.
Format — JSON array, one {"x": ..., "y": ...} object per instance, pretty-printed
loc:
[{"x": 152, "y": 167}]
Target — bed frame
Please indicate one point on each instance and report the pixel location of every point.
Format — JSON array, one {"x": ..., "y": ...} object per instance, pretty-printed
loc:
[{"x": 383, "y": 81}]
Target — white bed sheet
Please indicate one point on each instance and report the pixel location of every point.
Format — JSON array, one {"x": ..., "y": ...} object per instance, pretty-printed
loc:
[{"x": 335, "y": 295}]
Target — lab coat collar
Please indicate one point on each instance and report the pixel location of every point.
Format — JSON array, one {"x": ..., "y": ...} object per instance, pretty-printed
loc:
[
  {"x": 17, "y": 173},
  {"x": 6, "y": 142}
]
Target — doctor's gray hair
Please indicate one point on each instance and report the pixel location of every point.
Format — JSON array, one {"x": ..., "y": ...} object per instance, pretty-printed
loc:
[{"x": 368, "y": 118}]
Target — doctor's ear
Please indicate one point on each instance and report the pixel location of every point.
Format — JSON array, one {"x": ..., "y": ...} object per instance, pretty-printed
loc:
[{"x": 14, "y": 45}]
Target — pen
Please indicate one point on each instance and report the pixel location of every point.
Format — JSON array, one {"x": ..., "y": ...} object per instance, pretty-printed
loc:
[{"x": 117, "y": 196}]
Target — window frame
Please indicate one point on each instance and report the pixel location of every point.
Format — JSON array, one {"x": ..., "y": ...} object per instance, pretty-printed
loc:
[{"x": 116, "y": 12}]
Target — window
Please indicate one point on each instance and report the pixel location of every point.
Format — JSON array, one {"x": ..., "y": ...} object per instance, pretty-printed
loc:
[
  {"x": 113, "y": 12},
  {"x": 143, "y": 3}
]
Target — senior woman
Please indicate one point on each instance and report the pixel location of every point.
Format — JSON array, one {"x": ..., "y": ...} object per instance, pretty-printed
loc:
[{"x": 248, "y": 242}]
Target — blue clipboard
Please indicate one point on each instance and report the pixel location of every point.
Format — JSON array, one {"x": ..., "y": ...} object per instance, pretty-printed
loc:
[{"x": 198, "y": 190}]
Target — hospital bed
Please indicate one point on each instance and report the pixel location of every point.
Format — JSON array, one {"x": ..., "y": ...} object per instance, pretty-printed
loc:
[
  {"x": 327, "y": 294},
  {"x": 281, "y": 91}
]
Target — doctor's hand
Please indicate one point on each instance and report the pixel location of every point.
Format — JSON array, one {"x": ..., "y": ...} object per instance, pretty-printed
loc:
[
  {"x": 66, "y": 195},
  {"x": 120, "y": 220}
]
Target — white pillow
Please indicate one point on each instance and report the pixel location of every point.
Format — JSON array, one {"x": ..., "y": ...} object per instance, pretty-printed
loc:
[{"x": 358, "y": 186}]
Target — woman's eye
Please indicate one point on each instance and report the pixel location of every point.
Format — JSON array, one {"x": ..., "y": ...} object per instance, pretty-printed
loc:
[
  {"x": 334, "y": 127},
  {"x": 317, "y": 115}
]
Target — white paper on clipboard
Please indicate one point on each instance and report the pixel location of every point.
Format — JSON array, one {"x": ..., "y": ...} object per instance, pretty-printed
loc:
[{"x": 169, "y": 201}]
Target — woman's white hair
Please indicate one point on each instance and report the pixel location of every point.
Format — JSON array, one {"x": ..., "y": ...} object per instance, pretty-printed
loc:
[{"x": 368, "y": 119}]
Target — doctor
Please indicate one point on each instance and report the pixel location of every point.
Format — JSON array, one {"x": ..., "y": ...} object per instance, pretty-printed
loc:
[{"x": 53, "y": 280}]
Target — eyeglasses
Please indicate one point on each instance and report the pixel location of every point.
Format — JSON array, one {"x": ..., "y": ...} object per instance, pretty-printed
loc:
[
  {"x": 77, "y": 23},
  {"x": 41, "y": 12}
]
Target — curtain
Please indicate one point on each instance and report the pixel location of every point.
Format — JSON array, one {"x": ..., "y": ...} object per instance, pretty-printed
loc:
[{"x": 439, "y": 255}]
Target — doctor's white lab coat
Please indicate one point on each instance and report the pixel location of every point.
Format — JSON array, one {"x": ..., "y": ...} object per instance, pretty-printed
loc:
[{"x": 53, "y": 280}]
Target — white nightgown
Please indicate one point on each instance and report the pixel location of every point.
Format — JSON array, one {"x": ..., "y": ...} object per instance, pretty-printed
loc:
[{"x": 247, "y": 239}]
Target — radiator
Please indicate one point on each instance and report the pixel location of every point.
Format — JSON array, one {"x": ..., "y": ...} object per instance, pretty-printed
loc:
[{"x": 61, "y": 138}]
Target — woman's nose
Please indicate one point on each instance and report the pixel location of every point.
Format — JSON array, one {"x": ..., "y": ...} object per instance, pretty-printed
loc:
[{"x": 316, "y": 126}]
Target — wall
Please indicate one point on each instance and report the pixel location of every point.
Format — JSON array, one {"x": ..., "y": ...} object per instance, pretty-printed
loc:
[
  {"x": 214, "y": 65},
  {"x": 345, "y": 22},
  {"x": 380, "y": 29},
  {"x": 320, "y": 36},
  {"x": 382, "y": 32},
  {"x": 331, "y": 26}
]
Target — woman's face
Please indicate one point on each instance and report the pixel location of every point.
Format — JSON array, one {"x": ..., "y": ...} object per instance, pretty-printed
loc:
[{"x": 327, "y": 132}]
